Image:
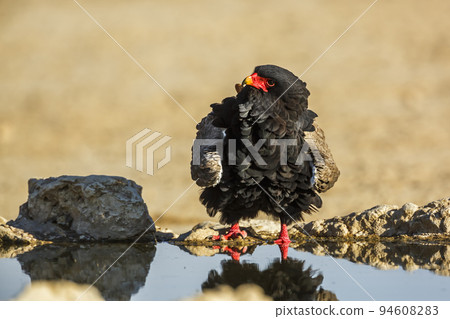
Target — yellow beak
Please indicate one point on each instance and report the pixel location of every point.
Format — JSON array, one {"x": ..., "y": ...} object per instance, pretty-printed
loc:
[{"x": 248, "y": 80}]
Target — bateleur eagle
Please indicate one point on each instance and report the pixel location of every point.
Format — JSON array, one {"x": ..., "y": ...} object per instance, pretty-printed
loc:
[{"x": 262, "y": 150}]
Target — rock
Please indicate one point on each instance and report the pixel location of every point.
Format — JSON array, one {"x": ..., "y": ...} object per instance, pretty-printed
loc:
[
  {"x": 380, "y": 221},
  {"x": 262, "y": 226},
  {"x": 3, "y": 220},
  {"x": 165, "y": 234},
  {"x": 10, "y": 235},
  {"x": 445, "y": 224},
  {"x": 384, "y": 221},
  {"x": 200, "y": 232},
  {"x": 59, "y": 291},
  {"x": 257, "y": 231},
  {"x": 410, "y": 208},
  {"x": 91, "y": 208},
  {"x": 245, "y": 292}
]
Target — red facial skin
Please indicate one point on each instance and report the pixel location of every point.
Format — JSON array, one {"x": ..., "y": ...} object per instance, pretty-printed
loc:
[{"x": 260, "y": 82}]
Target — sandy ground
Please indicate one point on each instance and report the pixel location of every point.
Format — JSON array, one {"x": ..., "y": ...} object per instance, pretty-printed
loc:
[{"x": 70, "y": 97}]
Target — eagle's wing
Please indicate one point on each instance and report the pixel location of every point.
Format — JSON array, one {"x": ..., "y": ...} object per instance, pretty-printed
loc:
[
  {"x": 327, "y": 172},
  {"x": 206, "y": 163}
]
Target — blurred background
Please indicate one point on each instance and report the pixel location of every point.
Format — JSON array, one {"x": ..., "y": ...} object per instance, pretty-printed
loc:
[{"x": 70, "y": 97}]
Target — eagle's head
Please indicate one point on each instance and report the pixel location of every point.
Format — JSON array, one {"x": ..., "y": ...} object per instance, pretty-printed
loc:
[{"x": 279, "y": 83}]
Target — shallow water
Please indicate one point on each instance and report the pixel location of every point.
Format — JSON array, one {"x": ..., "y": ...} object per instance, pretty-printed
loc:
[{"x": 169, "y": 272}]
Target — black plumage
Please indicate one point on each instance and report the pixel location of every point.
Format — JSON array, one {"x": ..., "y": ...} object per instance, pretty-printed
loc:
[{"x": 251, "y": 175}]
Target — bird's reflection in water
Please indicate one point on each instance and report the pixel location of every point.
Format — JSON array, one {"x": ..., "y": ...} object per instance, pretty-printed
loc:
[
  {"x": 282, "y": 280},
  {"x": 235, "y": 252},
  {"x": 85, "y": 264}
]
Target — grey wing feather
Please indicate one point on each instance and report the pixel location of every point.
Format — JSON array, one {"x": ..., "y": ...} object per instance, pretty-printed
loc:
[
  {"x": 327, "y": 172},
  {"x": 206, "y": 163}
]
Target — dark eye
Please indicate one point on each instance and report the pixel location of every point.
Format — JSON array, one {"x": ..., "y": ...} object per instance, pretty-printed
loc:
[{"x": 270, "y": 82}]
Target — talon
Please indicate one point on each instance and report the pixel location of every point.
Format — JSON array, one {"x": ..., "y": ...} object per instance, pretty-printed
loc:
[{"x": 234, "y": 232}]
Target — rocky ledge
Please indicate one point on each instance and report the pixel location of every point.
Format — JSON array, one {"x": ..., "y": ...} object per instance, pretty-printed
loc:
[
  {"x": 431, "y": 221},
  {"x": 384, "y": 222},
  {"x": 81, "y": 208},
  {"x": 259, "y": 232},
  {"x": 108, "y": 208}
]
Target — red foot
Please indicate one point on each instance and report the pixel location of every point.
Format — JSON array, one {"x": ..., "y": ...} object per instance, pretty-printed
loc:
[
  {"x": 283, "y": 241},
  {"x": 234, "y": 232}
]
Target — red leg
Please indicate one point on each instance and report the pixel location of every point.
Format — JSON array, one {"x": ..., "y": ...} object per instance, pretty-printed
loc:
[
  {"x": 234, "y": 232},
  {"x": 284, "y": 235},
  {"x": 283, "y": 241}
]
